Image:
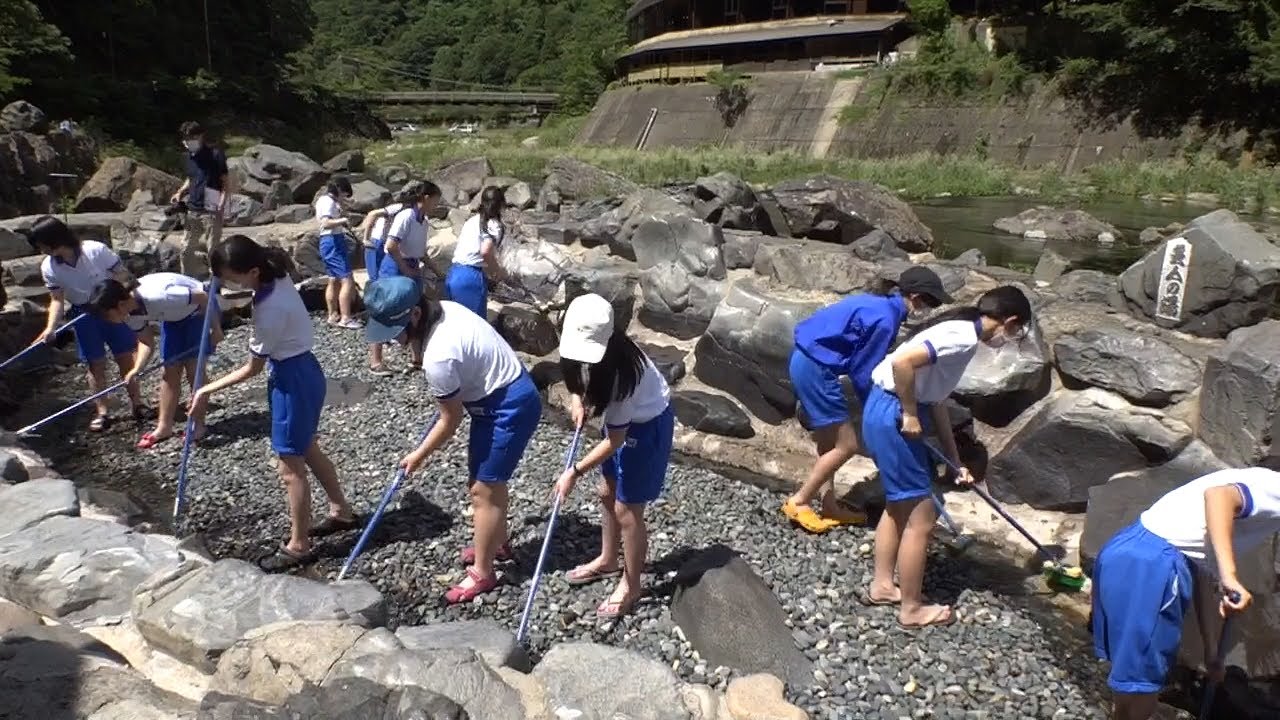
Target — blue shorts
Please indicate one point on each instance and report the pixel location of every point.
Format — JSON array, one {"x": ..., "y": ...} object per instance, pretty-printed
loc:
[
  {"x": 373, "y": 261},
  {"x": 817, "y": 387},
  {"x": 295, "y": 393},
  {"x": 501, "y": 426},
  {"x": 1142, "y": 587},
  {"x": 389, "y": 268},
  {"x": 94, "y": 336},
  {"x": 333, "y": 250},
  {"x": 466, "y": 286},
  {"x": 638, "y": 470},
  {"x": 905, "y": 466},
  {"x": 180, "y": 341}
]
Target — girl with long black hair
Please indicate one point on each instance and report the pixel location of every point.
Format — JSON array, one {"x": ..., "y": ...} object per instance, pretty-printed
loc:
[
  {"x": 908, "y": 395},
  {"x": 476, "y": 254},
  {"x": 606, "y": 372},
  {"x": 282, "y": 340},
  {"x": 340, "y": 293}
]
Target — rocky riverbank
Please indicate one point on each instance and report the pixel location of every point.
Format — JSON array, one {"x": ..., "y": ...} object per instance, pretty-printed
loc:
[{"x": 1127, "y": 386}]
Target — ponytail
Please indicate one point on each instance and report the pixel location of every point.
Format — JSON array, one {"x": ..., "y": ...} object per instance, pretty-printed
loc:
[{"x": 240, "y": 254}]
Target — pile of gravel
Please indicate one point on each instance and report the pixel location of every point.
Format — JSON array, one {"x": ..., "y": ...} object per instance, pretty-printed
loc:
[{"x": 1007, "y": 658}]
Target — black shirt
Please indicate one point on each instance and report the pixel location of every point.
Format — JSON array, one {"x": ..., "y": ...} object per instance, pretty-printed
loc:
[{"x": 207, "y": 168}]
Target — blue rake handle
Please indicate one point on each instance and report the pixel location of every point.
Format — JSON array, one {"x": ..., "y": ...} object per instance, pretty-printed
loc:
[
  {"x": 522, "y": 635},
  {"x": 382, "y": 508},
  {"x": 96, "y": 396},
  {"x": 946, "y": 516},
  {"x": 65, "y": 326},
  {"x": 210, "y": 309},
  {"x": 1206, "y": 706}
]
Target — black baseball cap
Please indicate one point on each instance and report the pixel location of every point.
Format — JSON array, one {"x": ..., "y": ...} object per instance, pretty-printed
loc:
[{"x": 921, "y": 280}]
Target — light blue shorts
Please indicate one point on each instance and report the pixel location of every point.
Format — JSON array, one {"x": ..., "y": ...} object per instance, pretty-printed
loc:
[
  {"x": 501, "y": 427},
  {"x": 295, "y": 393},
  {"x": 638, "y": 469},
  {"x": 905, "y": 467},
  {"x": 1142, "y": 587}
]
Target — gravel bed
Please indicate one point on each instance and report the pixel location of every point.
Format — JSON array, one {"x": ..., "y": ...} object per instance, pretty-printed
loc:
[{"x": 1008, "y": 657}]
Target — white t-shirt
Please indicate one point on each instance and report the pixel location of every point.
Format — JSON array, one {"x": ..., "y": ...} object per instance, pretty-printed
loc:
[
  {"x": 78, "y": 281},
  {"x": 467, "y": 251},
  {"x": 164, "y": 297},
  {"x": 281, "y": 326},
  {"x": 951, "y": 345},
  {"x": 411, "y": 232},
  {"x": 378, "y": 235},
  {"x": 1179, "y": 516},
  {"x": 327, "y": 208},
  {"x": 465, "y": 357},
  {"x": 650, "y": 398}
]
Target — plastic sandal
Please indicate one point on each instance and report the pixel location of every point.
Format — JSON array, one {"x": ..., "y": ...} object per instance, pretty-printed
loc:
[
  {"x": 610, "y": 610},
  {"x": 503, "y": 554},
  {"x": 99, "y": 423},
  {"x": 844, "y": 516},
  {"x": 581, "y": 576},
  {"x": 480, "y": 585},
  {"x": 805, "y": 517},
  {"x": 150, "y": 440},
  {"x": 285, "y": 559},
  {"x": 936, "y": 621},
  {"x": 332, "y": 526}
]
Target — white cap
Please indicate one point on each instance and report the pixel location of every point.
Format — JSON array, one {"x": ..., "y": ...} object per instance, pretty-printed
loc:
[{"x": 588, "y": 324}]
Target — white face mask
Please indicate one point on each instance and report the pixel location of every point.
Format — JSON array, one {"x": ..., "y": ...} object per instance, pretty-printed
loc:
[{"x": 192, "y": 145}]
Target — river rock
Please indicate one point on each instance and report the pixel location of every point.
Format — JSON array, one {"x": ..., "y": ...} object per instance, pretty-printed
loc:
[
  {"x": 668, "y": 360},
  {"x": 1046, "y": 223},
  {"x": 273, "y": 662},
  {"x": 1230, "y": 280},
  {"x": 610, "y": 278},
  {"x": 741, "y": 248},
  {"x": 1143, "y": 368},
  {"x": 836, "y": 210},
  {"x": 711, "y": 413},
  {"x": 368, "y": 195},
  {"x": 242, "y": 211},
  {"x": 536, "y": 268},
  {"x": 28, "y": 503},
  {"x": 692, "y": 244},
  {"x": 1240, "y": 397},
  {"x": 994, "y": 375},
  {"x": 760, "y": 697},
  {"x": 878, "y": 246},
  {"x": 1117, "y": 503},
  {"x": 815, "y": 267},
  {"x": 111, "y": 187},
  {"x": 726, "y": 200},
  {"x": 80, "y": 571},
  {"x": 466, "y": 176},
  {"x": 22, "y": 116},
  {"x": 1255, "y": 635},
  {"x": 296, "y": 213},
  {"x": 527, "y": 330},
  {"x": 267, "y": 164},
  {"x": 1078, "y": 440},
  {"x": 144, "y": 252},
  {"x": 618, "y": 227},
  {"x": 196, "y": 612},
  {"x": 13, "y": 471},
  {"x": 347, "y": 161},
  {"x": 27, "y": 161},
  {"x": 599, "y": 682},
  {"x": 458, "y": 674},
  {"x": 746, "y": 350},
  {"x": 678, "y": 302},
  {"x": 57, "y": 673},
  {"x": 1088, "y": 286},
  {"x": 343, "y": 700},
  {"x": 494, "y": 644},
  {"x": 716, "y": 594},
  {"x": 570, "y": 179}
]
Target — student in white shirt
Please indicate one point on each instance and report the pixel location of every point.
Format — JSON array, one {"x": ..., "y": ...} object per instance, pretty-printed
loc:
[
  {"x": 607, "y": 372},
  {"x": 282, "y": 339},
  {"x": 469, "y": 369},
  {"x": 340, "y": 293},
  {"x": 177, "y": 303},
  {"x": 908, "y": 392},
  {"x": 1147, "y": 575},
  {"x": 406, "y": 245},
  {"x": 476, "y": 254},
  {"x": 72, "y": 270}
]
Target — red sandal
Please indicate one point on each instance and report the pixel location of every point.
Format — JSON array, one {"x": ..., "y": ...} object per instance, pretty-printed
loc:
[
  {"x": 150, "y": 440},
  {"x": 480, "y": 585},
  {"x": 469, "y": 554}
]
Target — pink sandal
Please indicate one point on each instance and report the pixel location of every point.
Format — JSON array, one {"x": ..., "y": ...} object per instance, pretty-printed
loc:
[
  {"x": 469, "y": 554},
  {"x": 480, "y": 585},
  {"x": 150, "y": 440}
]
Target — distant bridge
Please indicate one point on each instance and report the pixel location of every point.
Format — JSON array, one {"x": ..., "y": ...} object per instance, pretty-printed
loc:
[{"x": 538, "y": 102}]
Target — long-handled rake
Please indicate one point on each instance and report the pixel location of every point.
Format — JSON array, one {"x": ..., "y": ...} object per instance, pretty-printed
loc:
[
  {"x": 98, "y": 395},
  {"x": 522, "y": 635},
  {"x": 1224, "y": 640},
  {"x": 210, "y": 310},
  {"x": 64, "y": 327},
  {"x": 960, "y": 542},
  {"x": 1056, "y": 573},
  {"x": 382, "y": 508}
]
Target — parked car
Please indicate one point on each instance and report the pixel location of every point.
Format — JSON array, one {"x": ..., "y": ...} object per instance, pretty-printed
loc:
[{"x": 463, "y": 129}]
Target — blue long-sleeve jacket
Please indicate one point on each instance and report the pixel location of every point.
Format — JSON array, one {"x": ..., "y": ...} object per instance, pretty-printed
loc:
[{"x": 852, "y": 336}]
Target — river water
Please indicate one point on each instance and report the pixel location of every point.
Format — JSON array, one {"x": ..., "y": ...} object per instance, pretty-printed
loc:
[{"x": 959, "y": 224}]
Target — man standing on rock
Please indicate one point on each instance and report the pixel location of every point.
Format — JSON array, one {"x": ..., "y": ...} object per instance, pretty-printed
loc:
[{"x": 207, "y": 188}]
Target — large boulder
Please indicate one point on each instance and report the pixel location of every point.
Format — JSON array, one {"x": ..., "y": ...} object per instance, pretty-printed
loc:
[
  {"x": 22, "y": 116},
  {"x": 466, "y": 177},
  {"x": 492, "y": 642},
  {"x": 716, "y": 594},
  {"x": 343, "y": 700},
  {"x": 1143, "y": 368},
  {"x": 1077, "y": 440},
  {"x": 1088, "y": 286},
  {"x": 368, "y": 195},
  {"x": 616, "y": 227},
  {"x": 81, "y": 571},
  {"x": 710, "y": 413},
  {"x": 27, "y": 504},
  {"x": 728, "y": 201},
  {"x": 690, "y": 243},
  {"x": 815, "y": 266},
  {"x": 1218, "y": 275},
  {"x": 678, "y": 302},
  {"x": 273, "y": 662},
  {"x": 741, "y": 248},
  {"x": 610, "y": 278},
  {"x": 527, "y": 330},
  {"x": 585, "y": 680},
  {"x": 1001, "y": 382},
  {"x": 1240, "y": 396},
  {"x": 569, "y": 180},
  {"x": 535, "y": 270},
  {"x": 841, "y": 211},
  {"x": 347, "y": 161},
  {"x": 746, "y": 350},
  {"x": 1046, "y": 223},
  {"x": 267, "y": 164},
  {"x": 198, "y": 611},
  {"x": 28, "y": 162},
  {"x": 113, "y": 185}
]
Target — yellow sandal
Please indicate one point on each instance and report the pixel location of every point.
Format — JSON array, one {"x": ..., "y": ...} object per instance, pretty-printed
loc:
[{"x": 805, "y": 517}]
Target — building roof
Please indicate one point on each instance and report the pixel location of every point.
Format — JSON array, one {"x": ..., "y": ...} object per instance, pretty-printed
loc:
[
  {"x": 825, "y": 28},
  {"x": 640, "y": 7}
]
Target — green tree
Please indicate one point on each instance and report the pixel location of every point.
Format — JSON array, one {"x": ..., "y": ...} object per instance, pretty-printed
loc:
[{"x": 25, "y": 38}]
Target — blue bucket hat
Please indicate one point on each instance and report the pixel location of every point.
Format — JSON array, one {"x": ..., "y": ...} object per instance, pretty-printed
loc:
[{"x": 390, "y": 303}]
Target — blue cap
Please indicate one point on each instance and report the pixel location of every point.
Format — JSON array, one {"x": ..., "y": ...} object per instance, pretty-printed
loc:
[{"x": 390, "y": 303}]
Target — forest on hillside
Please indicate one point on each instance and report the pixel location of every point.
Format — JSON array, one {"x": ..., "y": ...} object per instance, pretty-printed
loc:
[{"x": 133, "y": 69}]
